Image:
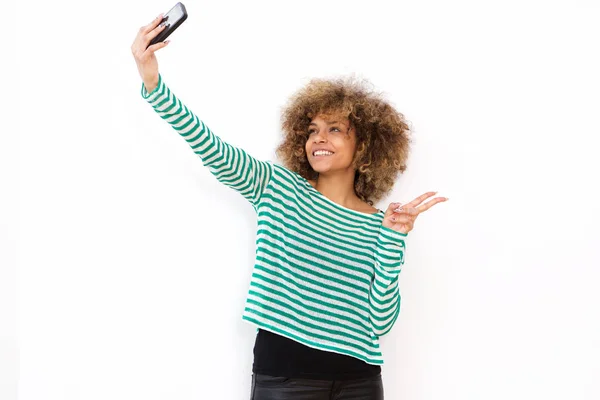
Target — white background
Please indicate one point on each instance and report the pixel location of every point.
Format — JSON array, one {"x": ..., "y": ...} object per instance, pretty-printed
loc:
[{"x": 134, "y": 261}]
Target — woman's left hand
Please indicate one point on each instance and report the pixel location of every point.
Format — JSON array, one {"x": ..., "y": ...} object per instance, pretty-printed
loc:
[{"x": 401, "y": 218}]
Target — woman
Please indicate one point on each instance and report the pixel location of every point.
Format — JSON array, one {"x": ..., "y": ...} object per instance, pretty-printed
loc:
[{"x": 324, "y": 287}]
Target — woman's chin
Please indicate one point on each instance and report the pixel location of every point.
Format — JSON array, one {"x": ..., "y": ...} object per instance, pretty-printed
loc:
[
  {"x": 320, "y": 169},
  {"x": 321, "y": 165}
]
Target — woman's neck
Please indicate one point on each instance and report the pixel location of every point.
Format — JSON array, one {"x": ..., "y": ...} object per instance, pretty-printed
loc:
[{"x": 339, "y": 188}]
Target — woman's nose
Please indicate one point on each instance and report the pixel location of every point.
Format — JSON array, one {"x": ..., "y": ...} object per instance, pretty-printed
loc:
[{"x": 320, "y": 136}]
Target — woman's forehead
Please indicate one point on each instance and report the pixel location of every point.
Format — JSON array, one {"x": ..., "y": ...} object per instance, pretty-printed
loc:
[{"x": 331, "y": 118}]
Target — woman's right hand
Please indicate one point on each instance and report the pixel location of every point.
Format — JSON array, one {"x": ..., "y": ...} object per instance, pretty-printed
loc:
[{"x": 144, "y": 56}]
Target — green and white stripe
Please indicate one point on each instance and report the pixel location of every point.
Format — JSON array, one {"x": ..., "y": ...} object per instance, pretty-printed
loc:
[{"x": 325, "y": 276}]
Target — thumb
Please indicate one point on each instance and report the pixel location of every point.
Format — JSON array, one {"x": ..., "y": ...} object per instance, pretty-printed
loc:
[{"x": 157, "y": 46}]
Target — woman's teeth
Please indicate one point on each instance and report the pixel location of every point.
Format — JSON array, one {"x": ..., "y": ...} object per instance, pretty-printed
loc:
[{"x": 322, "y": 153}]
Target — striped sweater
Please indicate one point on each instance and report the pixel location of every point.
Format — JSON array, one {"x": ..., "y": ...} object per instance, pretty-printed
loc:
[{"x": 325, "y": 275}]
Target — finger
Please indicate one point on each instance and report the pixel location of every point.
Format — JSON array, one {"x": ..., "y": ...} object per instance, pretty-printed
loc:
[
  {"x": 153, "y": 33},
  {"x": 158, "y": 46},
  {"x": 431, "y": 203},
  {"x": 141, "y": 41},
  {"x": 420, "y": 199},
  {"x": 147, "y": 28},
  {"x": 391, "y": 208},
  {"x": 407, "y": 210},
  {"x": 401, "y": 218}
]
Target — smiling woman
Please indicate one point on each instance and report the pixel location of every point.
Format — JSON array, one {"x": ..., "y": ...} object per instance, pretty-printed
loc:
[{"x": 324, "y": 286}]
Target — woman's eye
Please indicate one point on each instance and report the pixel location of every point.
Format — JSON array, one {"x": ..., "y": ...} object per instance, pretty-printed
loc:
[{"x": 311, "y": 131}]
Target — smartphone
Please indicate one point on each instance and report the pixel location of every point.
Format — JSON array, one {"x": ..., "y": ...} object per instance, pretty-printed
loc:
[{"x": 172, "y": 20}]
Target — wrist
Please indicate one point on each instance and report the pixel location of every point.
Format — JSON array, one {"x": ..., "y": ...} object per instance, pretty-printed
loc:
[{"x": 151, "y": 84}]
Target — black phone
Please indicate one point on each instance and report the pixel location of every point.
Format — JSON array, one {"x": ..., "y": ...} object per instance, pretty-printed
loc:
[{"x": 172, "y": 20}]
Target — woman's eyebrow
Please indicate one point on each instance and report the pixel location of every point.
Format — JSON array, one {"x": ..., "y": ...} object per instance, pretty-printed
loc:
[{"x": 328, "y": 123}]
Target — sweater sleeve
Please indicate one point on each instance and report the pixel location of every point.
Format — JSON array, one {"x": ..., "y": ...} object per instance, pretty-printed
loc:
[
  {"x": 231, "y": 166},
  {"x": 384, "y": 298}
]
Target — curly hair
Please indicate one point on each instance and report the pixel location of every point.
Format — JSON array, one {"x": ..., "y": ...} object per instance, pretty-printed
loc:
[{"x": 382, "y": 133}]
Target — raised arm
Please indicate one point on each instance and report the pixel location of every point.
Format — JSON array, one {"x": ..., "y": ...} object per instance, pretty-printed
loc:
[{"x": 231, "y": 165}]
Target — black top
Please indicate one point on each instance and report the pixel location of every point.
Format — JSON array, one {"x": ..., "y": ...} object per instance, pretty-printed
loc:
[{"x": 276, "y": 355}]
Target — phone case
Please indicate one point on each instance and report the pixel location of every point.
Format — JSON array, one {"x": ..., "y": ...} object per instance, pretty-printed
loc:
[{"x": 179, "y": 11}]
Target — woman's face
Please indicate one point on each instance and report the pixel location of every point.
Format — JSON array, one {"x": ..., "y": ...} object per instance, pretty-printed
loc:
[{"x": 335, "y": 135}]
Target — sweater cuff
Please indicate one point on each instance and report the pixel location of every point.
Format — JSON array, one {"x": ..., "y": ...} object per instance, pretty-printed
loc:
[{"x": 388, "y": 236}]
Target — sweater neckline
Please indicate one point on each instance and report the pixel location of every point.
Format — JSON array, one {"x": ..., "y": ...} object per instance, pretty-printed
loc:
[{"x": 312, "y": 189}]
